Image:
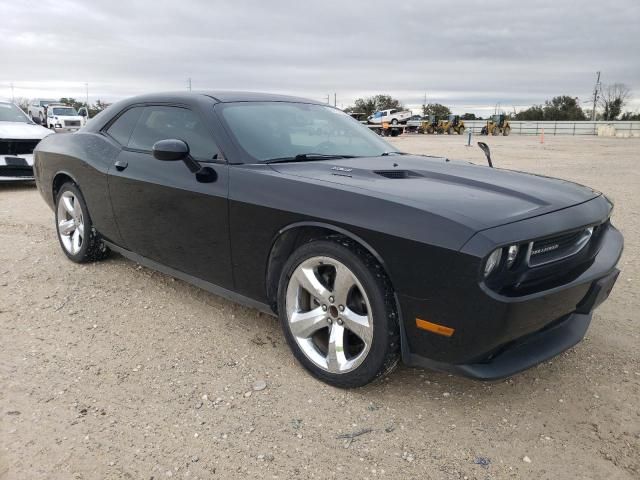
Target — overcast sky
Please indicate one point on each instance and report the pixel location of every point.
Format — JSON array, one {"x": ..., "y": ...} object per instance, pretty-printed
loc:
[{"x": 469, "y": 55}]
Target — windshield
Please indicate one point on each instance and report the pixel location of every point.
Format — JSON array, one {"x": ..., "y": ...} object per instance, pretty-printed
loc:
[
  {"x": 44, "y": 103},
  {"x": 274, "y": 130},
  {"x": 11, "y": 113},
  {"x": 64, "y": 111}
]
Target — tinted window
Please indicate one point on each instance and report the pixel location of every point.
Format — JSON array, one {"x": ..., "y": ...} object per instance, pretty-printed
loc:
[
  {"x": 161, "y": 123},
  {"x": 121, "y": 129}
]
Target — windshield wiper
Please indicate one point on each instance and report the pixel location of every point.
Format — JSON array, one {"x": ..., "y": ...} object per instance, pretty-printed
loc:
[
  {"x": 386, "y": 154},
  {"x": 307, "y": 157}
]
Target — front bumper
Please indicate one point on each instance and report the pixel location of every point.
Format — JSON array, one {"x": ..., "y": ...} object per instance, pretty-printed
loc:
[
  {"x": 16, "y": 168},
  {"x": 65, "y": 129},
  {"x": 502, "y": 336}
]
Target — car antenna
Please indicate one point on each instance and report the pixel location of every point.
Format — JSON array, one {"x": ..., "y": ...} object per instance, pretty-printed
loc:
[{"x": 487, "y": 152}]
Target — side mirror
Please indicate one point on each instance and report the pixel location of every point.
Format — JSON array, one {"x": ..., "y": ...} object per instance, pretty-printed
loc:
[
  {"x": 487, "y": 152},
  {"x": 82, "y": 113},
  {"x": 170, "y": 150}
]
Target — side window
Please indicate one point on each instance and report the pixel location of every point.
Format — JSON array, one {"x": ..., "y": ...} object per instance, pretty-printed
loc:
[
  {"x": 121, "y": 129},
  {"x": 393, "y": 111},
  {"x": 162, "y": 122}
]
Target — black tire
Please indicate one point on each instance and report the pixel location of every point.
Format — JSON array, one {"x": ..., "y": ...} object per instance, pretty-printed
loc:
[
  {"x": 461, "y": 131},
  {"x": 383, "y": 354},
  {"x": 92, "y": 248},
  {"x": 394, "y": 121},
  {"x": 496, "y": 131},
  {"x": 506, "y": 131}
]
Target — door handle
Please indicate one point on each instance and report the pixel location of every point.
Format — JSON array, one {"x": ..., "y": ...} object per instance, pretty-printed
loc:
[{"x": 121, "y": 165}]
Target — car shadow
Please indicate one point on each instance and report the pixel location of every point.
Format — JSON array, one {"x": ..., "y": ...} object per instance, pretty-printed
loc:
[{"x": 7, "y": 186}]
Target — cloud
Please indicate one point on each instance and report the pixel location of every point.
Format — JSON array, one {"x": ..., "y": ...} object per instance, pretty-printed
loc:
[{"x": 470, "y": 55}]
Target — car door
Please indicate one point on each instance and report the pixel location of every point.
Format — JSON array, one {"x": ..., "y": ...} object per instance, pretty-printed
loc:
[{"x": 162, "y": 211}]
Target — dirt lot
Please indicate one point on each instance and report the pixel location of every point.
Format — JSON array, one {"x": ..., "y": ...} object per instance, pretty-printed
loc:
[{"x": 111, "y": 370}]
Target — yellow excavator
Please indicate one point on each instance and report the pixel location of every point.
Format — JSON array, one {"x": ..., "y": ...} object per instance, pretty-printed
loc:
[
  {"x": 451, "y": 124},
  {"x": 497, "y": 125}
]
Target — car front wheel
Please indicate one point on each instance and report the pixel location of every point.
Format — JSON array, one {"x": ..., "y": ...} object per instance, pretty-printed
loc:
[
  {"x": 78, "y": 238},
  {"x": 338, "y": 313}
]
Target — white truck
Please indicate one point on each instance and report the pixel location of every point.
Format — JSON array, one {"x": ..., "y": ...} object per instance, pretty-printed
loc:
[
  {"x": 38, "y": 109},
  {"x": 392, "y": 116},
  {"x": 63, "y": 118}
]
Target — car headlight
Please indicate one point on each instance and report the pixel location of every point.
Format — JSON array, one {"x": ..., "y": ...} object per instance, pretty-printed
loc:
[
  {"x": 512, "y": 254},
  {"x": 492, "y": 261}
]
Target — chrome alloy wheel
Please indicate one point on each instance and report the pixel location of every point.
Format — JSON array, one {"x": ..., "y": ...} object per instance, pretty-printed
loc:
[
  {"x": 329, "y": 314},
  {"x": 70, "y": 222}
]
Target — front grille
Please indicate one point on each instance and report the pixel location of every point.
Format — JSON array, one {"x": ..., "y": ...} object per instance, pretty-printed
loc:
[
  {"x": 17, "y": 147},
  {"x": 72, "y": 123},
  {"x": 16, "y": 171},
  {"x": 558, "y": 247}
]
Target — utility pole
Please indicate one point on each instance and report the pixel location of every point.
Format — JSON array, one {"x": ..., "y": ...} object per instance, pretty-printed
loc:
[
  {"x": 335, "y": 101},
  {"x": 596, "y": 92},
  {"x": 328, "y": 100},
  {"x": 86, "y": 86},
  {"x": 189, "y": 83},
  {"x": 424, "y": 104}
]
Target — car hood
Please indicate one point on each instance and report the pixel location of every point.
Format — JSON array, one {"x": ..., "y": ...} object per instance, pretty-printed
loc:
[
  {"x": 22, "y": 131},
  {"x": 475, "y": 195}
]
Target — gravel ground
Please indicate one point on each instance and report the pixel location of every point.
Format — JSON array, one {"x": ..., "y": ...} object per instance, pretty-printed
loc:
[{"x": 111, "y": 370}]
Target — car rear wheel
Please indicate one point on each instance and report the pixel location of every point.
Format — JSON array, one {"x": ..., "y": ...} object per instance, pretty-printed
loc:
[
  {"x": 78, "y": 238},
  {"x": 338, "y": 313}
]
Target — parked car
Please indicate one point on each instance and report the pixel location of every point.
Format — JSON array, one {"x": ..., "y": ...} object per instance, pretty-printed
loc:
[
  {"x": 38, "y": 109},
  {"x": 63, "y": 118},
  {"x": 365, "y": 253},
  {"x": 392, "y": 116},
  {"x": 18, "y": 137}
]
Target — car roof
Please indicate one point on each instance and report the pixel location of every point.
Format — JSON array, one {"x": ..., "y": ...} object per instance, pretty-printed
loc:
[
  {"x": 221, "y": 97},
  {"x": 213, "y": 96}
]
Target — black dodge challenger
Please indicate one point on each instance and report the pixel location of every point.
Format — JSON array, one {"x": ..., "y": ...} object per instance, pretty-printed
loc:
[{"x": 366, "y": 254}]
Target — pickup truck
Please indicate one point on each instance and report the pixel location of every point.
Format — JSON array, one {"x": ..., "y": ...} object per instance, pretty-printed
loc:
[
  {"x": 38, "y": 107},
  {"x": 63, "y": 118},
  {"x": 392, "y": 116}
]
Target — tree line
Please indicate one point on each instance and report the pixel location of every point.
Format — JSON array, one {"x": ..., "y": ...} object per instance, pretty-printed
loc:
[{"x": 611, "y": 102}]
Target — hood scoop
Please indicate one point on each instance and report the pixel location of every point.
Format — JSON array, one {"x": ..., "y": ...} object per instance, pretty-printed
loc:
[{"x": 397, "y": 174}]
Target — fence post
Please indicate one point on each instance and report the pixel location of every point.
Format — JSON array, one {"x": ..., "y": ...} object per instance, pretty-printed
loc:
[
  {"x": 555, "y": 125},
  {"x": 574, "y": 129},
  {"x": 536, "y": 129}
]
